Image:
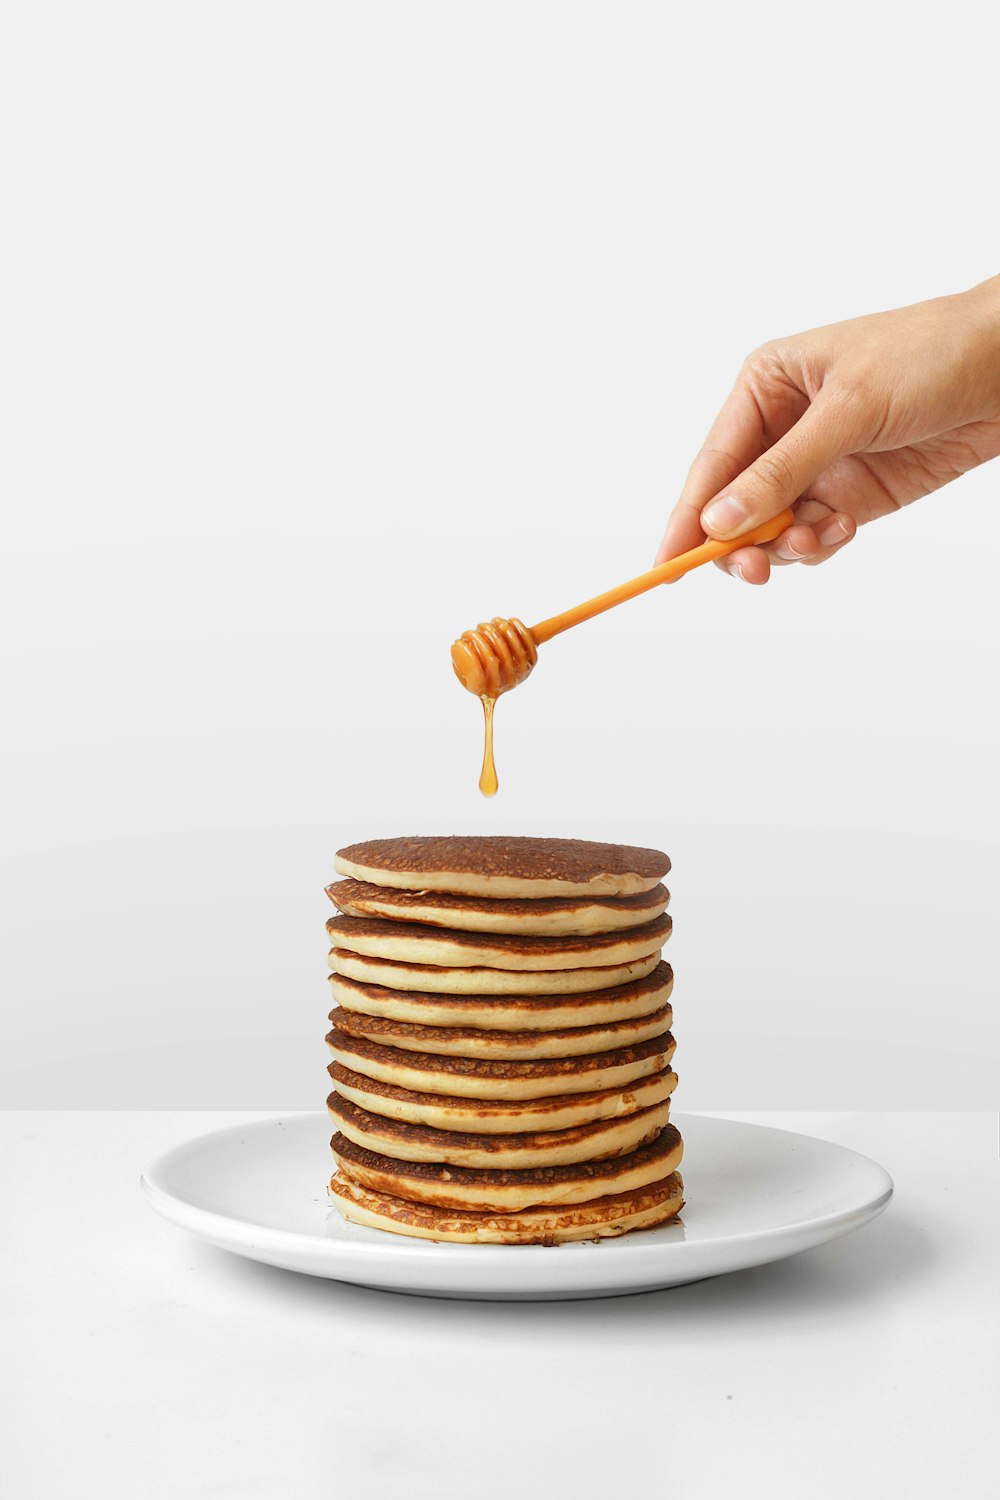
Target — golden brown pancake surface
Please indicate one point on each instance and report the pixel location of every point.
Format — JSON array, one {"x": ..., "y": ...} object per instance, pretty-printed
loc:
[
  {"x": 453, "y": 1112},
  {"x": 455, "y": 980},
  {"x": 411, "y": 942},
  {"x": 498, "y": 1188},
  {"x": 505, "y": 867},
  {"x": 472, "y": 1041},
  {"x": 636, "y": 997},
  {"x": 501, "y": 1039},
  {"x": 556, "y": 916},
  {"x": 485, "y": 1078},
  {"x": 522, "y": 1149},
  {"x": 614, "y": 1214}
]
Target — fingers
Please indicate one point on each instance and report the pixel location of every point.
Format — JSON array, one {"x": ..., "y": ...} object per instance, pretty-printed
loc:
[
  {"x": 749, "y": 565},
  {"x": 834, "y": 533},
  {"x": 737, "y": 482},
  {"x": 797, "y": 544},
  {"x": 734, "y": 441},
  {"x": 781, "y": 474},
  {"x": 810, "y": 544},
  {"x": 710, "y": 472}
]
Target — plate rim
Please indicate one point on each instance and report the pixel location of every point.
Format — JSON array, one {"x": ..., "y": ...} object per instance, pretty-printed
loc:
[{"x": 186, "y": 1215}]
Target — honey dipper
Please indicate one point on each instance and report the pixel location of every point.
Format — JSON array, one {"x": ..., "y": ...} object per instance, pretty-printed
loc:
[{"x": 496, "y": 656}]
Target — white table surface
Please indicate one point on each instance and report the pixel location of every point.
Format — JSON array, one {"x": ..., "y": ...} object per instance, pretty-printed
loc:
[{"x": 140, "y": 1362}]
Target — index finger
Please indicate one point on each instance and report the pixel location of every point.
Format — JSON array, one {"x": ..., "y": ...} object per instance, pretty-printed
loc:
[{"x": 735, "y": 440}]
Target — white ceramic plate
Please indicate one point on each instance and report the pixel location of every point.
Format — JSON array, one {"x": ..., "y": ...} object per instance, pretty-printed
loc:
[{"x": 754, "y": 1194}]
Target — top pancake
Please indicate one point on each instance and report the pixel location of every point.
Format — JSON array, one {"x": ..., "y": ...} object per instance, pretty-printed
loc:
[
  {"x": 570, "y": 916},
  {"x": 505, "y": 868}
]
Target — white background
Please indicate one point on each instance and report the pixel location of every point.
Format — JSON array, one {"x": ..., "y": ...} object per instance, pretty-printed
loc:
[{"x": 330, "y": 330}]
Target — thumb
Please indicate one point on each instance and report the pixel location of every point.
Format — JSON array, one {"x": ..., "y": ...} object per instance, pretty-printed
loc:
[{"x": 777, "y": 479}]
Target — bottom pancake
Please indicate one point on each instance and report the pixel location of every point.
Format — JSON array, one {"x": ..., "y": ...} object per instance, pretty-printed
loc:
[
  {"x": 537, "y": 1148},
  {"x": 615, "y": 1214},
  {"x": 489, "y": 1189}
]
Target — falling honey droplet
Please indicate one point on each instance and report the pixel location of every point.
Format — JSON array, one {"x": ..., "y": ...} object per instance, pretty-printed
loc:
[{"x": 488, "y": 776}]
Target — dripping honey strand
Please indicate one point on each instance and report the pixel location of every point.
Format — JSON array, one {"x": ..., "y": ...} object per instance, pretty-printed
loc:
[{"x": 488, "y": 782}]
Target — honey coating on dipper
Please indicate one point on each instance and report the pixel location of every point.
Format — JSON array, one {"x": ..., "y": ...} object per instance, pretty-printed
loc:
[{"x": 488, "y": 661}]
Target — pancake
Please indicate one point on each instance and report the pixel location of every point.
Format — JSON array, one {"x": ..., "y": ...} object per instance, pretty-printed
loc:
[
  {"x": 505, "y": 868},
  {"x": 500, "y": 1116},
  {"x": 615, "y": 1214},
  {"x": 555, "y": 917},
  {"x": 546, "y": 1148},
  {"x": 455, "y": 981},
  {"x": 470, "y": 1041},
  {"x": 495, "y": 1188},
  {"x": 410, "y": 943},
  {"x": 639, "y": 997},
  {"x": 473, "y": 1078}
]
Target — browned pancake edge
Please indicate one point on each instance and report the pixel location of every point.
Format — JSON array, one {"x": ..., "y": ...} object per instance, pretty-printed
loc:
[
  {"x": 657, "y": 979},
  {"x": 434, "y": 1138},
  {"x": 661, "y": 1149},
  {"x": 346, "y": 930},
  {"x": 386, "y": 1031},
  {"x": 500, "y": 1069},
  {"x": 576, "y": 860},
  {"x": 376, "y": 1089}
]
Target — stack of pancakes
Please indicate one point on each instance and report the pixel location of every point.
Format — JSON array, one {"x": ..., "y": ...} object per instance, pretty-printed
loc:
[{"x": 501, "y": 1040}]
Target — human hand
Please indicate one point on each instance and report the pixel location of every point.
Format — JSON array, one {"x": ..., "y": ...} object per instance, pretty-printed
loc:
[{"x": 845, "y": 424}]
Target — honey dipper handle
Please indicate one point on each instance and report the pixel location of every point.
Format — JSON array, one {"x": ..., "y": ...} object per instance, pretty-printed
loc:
[{"x": 665, "y": 573}]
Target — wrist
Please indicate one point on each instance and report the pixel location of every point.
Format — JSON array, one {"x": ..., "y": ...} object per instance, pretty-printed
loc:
[
  {"x": 983, "y": 302},
  {"x": 982, "y": 305}
]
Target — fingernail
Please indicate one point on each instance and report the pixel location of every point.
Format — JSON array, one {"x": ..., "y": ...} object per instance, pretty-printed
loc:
[
  {"x": 735, "y": 570},
  {"x": 787, "y": 552},
  {"x": 833, "y": 532},
  {"x": 725, "y": 514}
]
